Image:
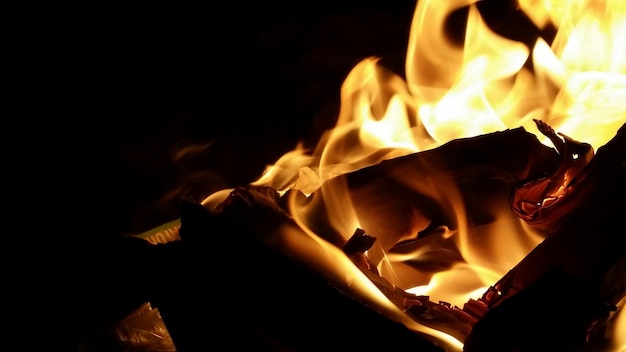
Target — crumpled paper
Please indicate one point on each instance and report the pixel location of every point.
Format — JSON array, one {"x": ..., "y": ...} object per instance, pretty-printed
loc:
[{"x": 144, "y": 331}]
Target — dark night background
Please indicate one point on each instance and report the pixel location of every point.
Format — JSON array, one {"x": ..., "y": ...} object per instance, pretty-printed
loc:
[
  {"x": 113, "y": 92},
  {"x": 104, "y": 98}
]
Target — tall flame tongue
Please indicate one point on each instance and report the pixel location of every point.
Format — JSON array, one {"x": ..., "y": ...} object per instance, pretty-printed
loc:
[
  {"x": 574, "y": 81},
  {"x": 487, "y": 83}
]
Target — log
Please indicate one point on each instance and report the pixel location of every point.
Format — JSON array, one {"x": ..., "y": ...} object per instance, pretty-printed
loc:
[
  {"x": 384, "y": 188},
  {"x": 273, "y": 300},
  {"x": 560, "y": 295},
  {"x": 396, "y": 197},
  {"x": 402, "y": 201}
]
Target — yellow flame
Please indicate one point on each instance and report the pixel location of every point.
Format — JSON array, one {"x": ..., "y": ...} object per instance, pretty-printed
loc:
[
  {"x": 619, "y": 341},
  {"x": 577, "y": 86},
  {"x": 478, "y": 100},
  {"x": 456, "y": 285},
  {"x": 587, "y": 63}
]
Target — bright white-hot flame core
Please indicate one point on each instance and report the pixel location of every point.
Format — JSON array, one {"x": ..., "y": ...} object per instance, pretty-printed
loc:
[{"x": 577, "y": 85}]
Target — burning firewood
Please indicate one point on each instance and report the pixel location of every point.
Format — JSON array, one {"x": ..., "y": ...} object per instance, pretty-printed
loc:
[
  {"x": 561, "y": 294},
  {"x": 284, "y": 305},
  {"x": 555, "y": 265},
  {"x": 389, "y": 206},
  {"x": 576, "y": 264},
  {"x": 399, "y": 194}
]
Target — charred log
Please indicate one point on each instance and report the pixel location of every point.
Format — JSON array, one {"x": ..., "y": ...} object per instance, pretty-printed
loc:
[
  {"x": 464, "y": 162},
  {"x": 558, "y": 297},
  {"x": 405, "y": 202},
  {"x": 275, "y": 298},
  {"x": 412, "y": 194},
  {"x": 395, "y": 198}
]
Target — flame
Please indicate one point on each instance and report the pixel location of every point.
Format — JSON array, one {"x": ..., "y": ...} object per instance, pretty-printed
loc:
[
  {"x": 453, "y": 91},
  {"x": 619, "y": 340},
  {"x": 575, "y": 82}
]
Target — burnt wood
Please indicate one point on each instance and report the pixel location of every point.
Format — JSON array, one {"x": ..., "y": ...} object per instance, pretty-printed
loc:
[{"x": 561, "y": 294}]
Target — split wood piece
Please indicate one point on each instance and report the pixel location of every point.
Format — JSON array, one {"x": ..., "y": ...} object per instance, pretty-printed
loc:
[
  {"x": 403, "y": 195},
  {"x": 396, "y": 198},
  {"x": 561, "y": 294},
  {"x": 402, "y": 201},
  {"x": 273, "y": 293}
]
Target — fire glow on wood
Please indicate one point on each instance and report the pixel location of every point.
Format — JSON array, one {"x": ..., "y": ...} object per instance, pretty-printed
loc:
[{"x": 405, "y": 202}]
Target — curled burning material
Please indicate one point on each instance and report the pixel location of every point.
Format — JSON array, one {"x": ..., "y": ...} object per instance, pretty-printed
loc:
[
  {"x": 439, "y": 315},
  {"x": 543, "y": 202},
  {"x": 356, "y": 248},
  {"x": 144, "y": 330}
]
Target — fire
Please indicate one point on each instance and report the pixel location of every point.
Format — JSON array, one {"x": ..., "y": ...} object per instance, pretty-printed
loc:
[{"x": 486, "y": 82}]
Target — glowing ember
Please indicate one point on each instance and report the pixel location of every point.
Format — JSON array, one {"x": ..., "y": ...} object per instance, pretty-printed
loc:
[{"x": 574, "y": 82}]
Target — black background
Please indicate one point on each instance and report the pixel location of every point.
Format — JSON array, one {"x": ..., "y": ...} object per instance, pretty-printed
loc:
[
  {"x": 135, "y": 84},
  {"x": 109, "y": 94}
]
